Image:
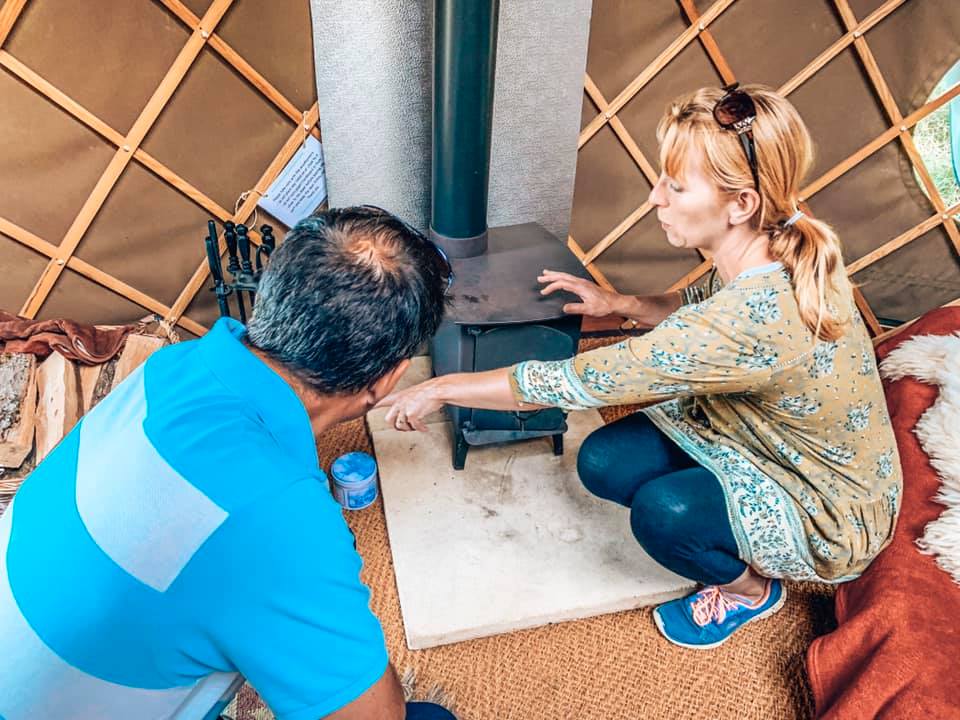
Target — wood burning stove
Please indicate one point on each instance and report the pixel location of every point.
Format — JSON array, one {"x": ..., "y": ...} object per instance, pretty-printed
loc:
[{"x": 498, "y": 316}]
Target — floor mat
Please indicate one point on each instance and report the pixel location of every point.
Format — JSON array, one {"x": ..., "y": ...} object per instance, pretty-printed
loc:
[{"x": 613, "y": 667}]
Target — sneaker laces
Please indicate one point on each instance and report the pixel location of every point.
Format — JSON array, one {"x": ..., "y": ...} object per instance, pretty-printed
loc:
[{"x": 712, "y": 604}]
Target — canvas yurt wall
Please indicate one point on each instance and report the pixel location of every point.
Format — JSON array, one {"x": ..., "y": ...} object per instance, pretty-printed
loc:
[
  {"x": 859, "y": 71},
  {"x": 128, "y": 123}
]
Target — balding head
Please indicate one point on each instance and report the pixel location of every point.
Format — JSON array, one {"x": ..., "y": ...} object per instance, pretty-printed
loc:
[{"x": 349, "y": 294}]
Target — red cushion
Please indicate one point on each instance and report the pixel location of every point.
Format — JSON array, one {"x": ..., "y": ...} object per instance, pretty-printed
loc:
[{"x": 896, "y": 652}]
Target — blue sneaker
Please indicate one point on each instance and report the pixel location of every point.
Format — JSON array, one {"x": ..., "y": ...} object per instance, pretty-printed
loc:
[{"x": 709, "y": 617}]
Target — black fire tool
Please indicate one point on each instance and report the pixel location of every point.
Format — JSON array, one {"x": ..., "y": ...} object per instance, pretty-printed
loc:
[
  {"x": 268, "y": 244},
  {"x": 246, "y": 281},
  {"x": 230, "y": 235},
  {"x": 216, "y": 269}
]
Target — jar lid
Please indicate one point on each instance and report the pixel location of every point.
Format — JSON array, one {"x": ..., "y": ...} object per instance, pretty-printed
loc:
[{"x": 354, "y": 467}]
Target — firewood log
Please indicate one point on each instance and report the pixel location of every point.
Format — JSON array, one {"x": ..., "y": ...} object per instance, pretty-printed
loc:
[
  {"x": 58, "y": 409},
  {"x": 135, "y": 351},
  {"x": 18, "y": 402}
]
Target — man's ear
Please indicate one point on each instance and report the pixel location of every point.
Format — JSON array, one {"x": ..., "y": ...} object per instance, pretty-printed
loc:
[
  {"x": 382, "y": 387},
  {"x": 744, "y": 206}
]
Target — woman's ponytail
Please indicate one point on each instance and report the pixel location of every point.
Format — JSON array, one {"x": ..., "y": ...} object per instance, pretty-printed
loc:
[{"x": 810, "y": 251}]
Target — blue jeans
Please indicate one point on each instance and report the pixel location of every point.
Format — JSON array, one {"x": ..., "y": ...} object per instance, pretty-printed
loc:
[
  {"x": 427, "y": 711},
  {"x": 678, "y": 512},
  {"x": 422, "y": 711}
]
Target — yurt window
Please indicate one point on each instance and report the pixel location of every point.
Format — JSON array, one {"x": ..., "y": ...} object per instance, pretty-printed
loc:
[{"x": 937, "y": 137}]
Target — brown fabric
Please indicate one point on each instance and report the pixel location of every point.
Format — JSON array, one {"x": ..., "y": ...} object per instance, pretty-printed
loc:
[
  {"x": 895, "y": 652},
  {"x": 613, "y": 667},
  {"x": 85, "y": 344}
]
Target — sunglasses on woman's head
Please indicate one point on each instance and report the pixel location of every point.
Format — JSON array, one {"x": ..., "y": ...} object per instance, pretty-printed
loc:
[{"x": 736, "y": 111}]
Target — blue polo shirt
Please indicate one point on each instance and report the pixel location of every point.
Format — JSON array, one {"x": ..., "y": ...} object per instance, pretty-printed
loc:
[{"x": 181, "y": 538}]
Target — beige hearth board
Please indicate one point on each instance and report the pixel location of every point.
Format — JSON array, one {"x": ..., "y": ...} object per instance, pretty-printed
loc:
[{"x": 511, "y": 542}]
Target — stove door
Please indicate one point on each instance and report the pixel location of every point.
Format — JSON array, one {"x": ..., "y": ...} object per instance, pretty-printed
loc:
[{"x": 505, "y": 345}]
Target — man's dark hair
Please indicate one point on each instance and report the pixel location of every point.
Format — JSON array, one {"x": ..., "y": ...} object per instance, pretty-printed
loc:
[{"x": 349, "y": 294}]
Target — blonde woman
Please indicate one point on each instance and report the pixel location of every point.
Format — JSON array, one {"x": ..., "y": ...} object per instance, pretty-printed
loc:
[{"x": 769, "y": 452}]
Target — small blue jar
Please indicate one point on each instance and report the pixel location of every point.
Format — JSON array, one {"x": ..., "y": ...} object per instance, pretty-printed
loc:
[{"x": 354, "y": 480}]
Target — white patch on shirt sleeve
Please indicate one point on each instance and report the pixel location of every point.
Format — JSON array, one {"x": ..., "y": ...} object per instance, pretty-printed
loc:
[{"x": 141, "y": 512}]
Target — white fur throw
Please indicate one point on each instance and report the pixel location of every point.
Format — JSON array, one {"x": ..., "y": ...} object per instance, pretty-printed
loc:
[{"x": 935, "y": 360}]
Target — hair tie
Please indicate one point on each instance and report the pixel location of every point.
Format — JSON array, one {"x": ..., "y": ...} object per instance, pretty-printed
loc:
[{"x": 793, "y": 218}]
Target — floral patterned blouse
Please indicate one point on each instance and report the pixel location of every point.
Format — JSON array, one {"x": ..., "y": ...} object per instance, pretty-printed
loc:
[{"x": 796, "y": 431}]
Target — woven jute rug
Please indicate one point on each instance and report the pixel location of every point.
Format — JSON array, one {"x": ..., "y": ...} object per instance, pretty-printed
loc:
[{"x": 613, "y": 667}]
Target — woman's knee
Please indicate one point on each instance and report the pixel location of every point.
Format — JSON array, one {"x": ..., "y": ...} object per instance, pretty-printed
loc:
[
  {"x": 680, "y": 534},
  {"x": 597, "y": 464},
  {"x": 660, "y": 518},
  {"x": 618, "y": 458}
]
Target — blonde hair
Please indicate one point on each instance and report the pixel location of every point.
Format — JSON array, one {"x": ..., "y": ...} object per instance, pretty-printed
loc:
[{"x": 808, "y": 248}]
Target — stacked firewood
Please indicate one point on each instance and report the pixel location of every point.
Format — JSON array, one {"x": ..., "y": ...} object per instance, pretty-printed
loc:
[{"x": 41, "y": 402}]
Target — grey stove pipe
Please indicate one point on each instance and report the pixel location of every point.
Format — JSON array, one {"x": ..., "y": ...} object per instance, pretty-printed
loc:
[{"x": 464, "y": 64}]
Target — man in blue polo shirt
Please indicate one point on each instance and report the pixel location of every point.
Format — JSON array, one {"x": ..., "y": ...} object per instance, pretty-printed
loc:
[{"x": 182, "y": 538}]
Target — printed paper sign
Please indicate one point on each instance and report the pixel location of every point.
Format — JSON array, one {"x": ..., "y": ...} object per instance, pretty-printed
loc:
[{"x": 300, "y": 187}]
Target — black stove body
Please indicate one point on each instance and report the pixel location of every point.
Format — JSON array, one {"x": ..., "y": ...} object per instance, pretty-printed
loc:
[{"x": 500, "y": 318}]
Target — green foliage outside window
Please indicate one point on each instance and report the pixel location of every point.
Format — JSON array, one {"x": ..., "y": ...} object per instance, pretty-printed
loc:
[{"x": 937, "y": 137}]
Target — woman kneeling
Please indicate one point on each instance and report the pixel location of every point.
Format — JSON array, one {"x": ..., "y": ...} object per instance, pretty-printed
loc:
[{"x": 769, "y": 452}]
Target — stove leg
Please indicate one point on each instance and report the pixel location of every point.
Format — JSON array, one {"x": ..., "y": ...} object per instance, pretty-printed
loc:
[
  {"x": 558, "y": 444},
  {"x": 460, "y": 448}
]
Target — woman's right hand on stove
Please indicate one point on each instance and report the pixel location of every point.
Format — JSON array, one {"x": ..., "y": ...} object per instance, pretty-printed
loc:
[{"x": 595, "y": 301}]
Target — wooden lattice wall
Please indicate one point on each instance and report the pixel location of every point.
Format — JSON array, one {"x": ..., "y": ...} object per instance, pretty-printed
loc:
[
  {"x": 202, "y": 19},
  {"x": 127, "y": 147},
  {"x": 855, "y": 36}
]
